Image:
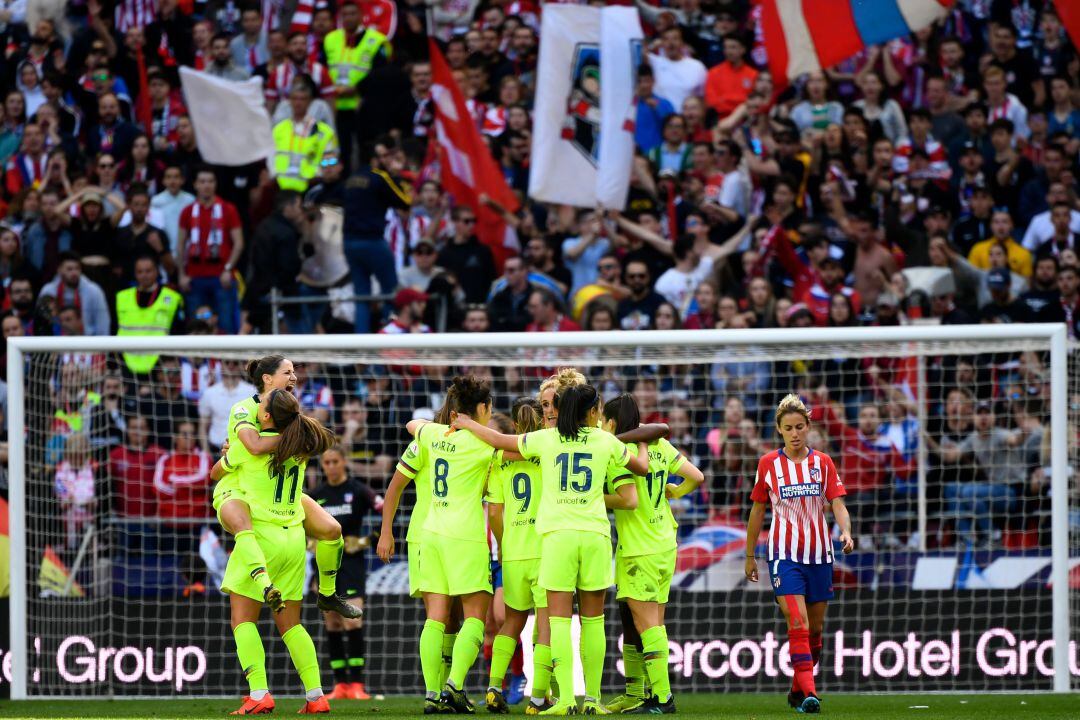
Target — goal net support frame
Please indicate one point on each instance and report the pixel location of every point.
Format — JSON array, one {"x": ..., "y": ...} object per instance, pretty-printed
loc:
[{"x": 709, "y": 344}]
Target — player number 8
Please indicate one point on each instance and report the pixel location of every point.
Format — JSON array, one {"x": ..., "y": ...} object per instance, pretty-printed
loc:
[{"x": 442, "y": 469}]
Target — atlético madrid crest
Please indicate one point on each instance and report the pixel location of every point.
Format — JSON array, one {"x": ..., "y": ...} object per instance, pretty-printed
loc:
[{"x": 581, "y": 126}]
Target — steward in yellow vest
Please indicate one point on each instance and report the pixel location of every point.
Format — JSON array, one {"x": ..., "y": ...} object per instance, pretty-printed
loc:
[
  {"x": 351, "y": 55},
  {"x": 301, "y": 143},
  {"x": 146, "y": 309}
]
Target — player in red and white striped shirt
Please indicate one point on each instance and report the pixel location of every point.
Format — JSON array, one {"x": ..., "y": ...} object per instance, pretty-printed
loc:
[{"x": 798, "y": 482}]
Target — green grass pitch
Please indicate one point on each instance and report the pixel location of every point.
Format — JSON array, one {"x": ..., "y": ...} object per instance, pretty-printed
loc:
[{"x": 734, "y": 706}]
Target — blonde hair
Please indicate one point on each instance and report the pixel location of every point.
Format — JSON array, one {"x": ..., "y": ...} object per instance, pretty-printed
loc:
[
  {"x": 791, "y": 404},
  {"x": 564, "y": 377}
]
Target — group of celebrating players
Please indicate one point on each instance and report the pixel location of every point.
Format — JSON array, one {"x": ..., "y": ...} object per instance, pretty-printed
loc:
[{"x": 545, "y": 478}]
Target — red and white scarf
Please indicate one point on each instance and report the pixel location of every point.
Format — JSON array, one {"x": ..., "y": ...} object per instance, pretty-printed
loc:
[{"x": 207, "y": 249}]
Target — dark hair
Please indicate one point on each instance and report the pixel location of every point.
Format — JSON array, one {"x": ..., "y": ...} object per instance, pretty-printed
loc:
[
  {"x": 919, "y": 113},
  {"x": 285, "y": 198},
  {"x": 138, "y": 188},
  {"x": 304, "y": 83},
  {"x": 336, "y": 448},
  {"x": 199, "y": 170},
  {"x": 527, "y": 415},
  {"x": 574, "y": 404},
  {"x": 733, "y": 148},
  {"x": 1003, "y": 124},
  {"x": 302, "y": 436},
  {"x": 683, "y": 245},
  {"x": 468, "y": 391},
  {"x": 546, "y": 296},
  {"x": 68, "y": 255},
  {"x": 737, "y": 37},
  {"x": 148, "y": 256},
  {"x": 224, "y": 36},
  {"x": 624, "y": 411},
  {"x": 267, "y": 365}
]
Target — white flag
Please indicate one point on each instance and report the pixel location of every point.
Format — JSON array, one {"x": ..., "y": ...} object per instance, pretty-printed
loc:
[
  {"x": 620, "y": 55},
  {"x": 231, "y": 124},
  {"x": 583, "y": 138}
]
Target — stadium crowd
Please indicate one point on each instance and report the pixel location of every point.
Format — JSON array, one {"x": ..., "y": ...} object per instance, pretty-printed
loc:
[{"x": 931, "y": 179}]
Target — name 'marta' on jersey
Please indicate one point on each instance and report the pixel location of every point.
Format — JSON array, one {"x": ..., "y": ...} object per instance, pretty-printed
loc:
[
  {"x": 515, "y": 484},
  {"x": 651, "y": 528},
  {"x": 273, "y": 498},
  {"x": 574, "y": 472},
  {"x": 459, "y": 465},
  {"x": 798, "y": 492}
]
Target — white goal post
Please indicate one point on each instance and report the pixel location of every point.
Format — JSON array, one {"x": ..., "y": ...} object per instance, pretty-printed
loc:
[{"x": 601, "y": 349}]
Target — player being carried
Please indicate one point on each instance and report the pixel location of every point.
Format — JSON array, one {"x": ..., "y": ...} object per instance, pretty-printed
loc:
[
  {"x": 271, "y": 490},
  {"x": 267, "y": 374}
]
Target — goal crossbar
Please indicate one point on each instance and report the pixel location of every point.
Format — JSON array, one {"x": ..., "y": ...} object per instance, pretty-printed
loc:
[{"x": 1051, "y": 337}]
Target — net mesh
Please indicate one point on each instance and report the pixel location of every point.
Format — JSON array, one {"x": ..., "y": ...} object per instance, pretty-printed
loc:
[{"x": 943, "y": 448}]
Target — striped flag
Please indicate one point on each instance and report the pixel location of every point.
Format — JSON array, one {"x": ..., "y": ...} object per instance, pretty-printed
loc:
[
  {"x": 301, "y": 18},
  {"x": 1069, "y": 12},
  {"x": 803, "y": 36}
]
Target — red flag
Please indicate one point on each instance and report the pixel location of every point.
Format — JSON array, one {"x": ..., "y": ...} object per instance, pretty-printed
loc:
[
  {"x": 467, "y": 168},
  {"x": 1069, "y": 12},
  {"x": 143, "y": 112}
]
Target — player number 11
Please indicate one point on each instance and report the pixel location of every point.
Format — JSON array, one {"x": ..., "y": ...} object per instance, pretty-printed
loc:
[{"x": 294, "y": 473}]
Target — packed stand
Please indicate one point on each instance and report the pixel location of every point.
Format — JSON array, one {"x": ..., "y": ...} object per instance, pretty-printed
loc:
[{"x": 931, "y": 179}]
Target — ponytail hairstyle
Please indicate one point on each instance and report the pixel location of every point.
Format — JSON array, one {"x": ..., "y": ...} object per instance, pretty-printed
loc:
[
  {"x": 624, "y": 411},
  {"x": 255, "y": 369},
  {"x": 442, "y": 415},
  {"x": 527, "y": 415},
  {"x": 791, "y": 404},
  {"x": 467, "y": 392},
  {"x": 302, "y": 436},
  {"x": 574, "y": 404}
]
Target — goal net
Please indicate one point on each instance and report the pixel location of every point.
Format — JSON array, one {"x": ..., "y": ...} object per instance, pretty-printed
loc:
[{"x": 956, "y": 447}]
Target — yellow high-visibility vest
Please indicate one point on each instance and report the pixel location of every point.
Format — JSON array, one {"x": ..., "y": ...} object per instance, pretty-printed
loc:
[
  {"x": 299, "y": 150},
  {"x": 350, "y": 65},
  {"x": 154, "y": 320}
]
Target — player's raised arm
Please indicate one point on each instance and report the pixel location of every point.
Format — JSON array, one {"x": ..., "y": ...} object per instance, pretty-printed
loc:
[
  {"x": 645, "y": 433},
  {"x": 494, "y": 438}
]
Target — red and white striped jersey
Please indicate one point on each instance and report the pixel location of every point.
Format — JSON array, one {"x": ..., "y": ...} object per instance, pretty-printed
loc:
[
  {"x": 419, "y": 224},
  {"x": 280, "y": 79},
  {"x": 197, "y": 375},
  {"x": 798, "y": 493},
  {"x": 134, "y": 13},
  {"x": 396, "y": 235},
  {"x": 938, "y": 169}
]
